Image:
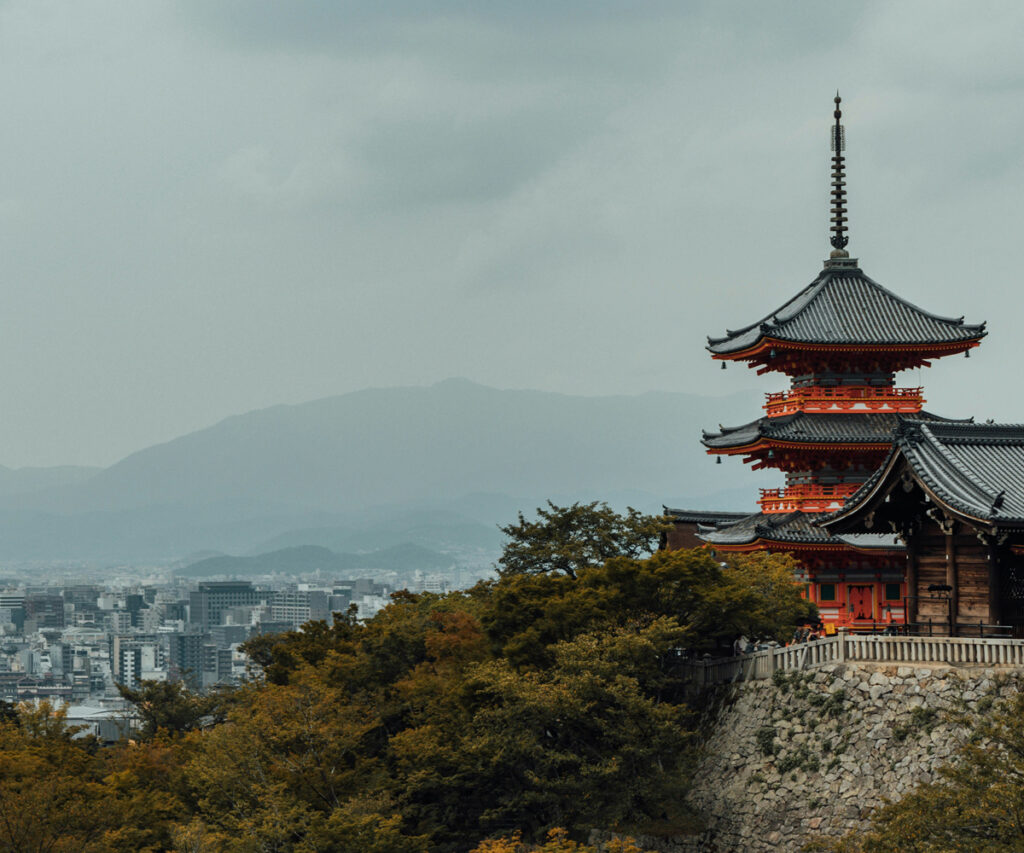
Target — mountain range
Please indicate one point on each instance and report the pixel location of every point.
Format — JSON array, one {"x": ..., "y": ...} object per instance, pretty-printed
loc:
[{"x": 438, "y": 466}]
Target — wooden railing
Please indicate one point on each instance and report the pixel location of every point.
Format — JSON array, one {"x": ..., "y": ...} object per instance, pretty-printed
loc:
[
  {"x": 843, "y": 398},
  {"x": 807, "y": 497},
  {"x": 855, "y": 648}
]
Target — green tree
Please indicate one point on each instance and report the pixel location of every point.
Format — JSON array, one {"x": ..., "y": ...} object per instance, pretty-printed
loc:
[
  {"x": 567, "y": 540},
  {"x": 753, "y": 595},
  {"x": 173, "y": 707},
  {"x": 579, "y": 744},
  {"x": 976, "y": 806},
  {"x": 296, "y": 768}
]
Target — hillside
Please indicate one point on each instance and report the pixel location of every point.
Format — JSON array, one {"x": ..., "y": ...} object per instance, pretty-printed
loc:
[{"x": 343, "y": 470}]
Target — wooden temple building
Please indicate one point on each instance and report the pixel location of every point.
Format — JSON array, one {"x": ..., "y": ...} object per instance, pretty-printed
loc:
[
  {"x": 840, "y": 342},
  {"x": 954, "y": 495}
]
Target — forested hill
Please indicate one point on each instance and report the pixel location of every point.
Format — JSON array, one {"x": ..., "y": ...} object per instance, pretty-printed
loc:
[
  {"x": 249, "y": 479},
  {"x": 402, "y": 445}
]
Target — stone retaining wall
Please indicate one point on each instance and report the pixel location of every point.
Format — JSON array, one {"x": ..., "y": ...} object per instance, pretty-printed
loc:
[{"x": 811, "y": 753}]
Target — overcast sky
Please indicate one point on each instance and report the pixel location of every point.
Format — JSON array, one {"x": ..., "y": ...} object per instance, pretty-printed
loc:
[{"x": 211, "y": 207}]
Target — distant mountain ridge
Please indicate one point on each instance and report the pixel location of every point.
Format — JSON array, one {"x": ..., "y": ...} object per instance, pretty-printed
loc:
[{"x": 252, "y": 480}]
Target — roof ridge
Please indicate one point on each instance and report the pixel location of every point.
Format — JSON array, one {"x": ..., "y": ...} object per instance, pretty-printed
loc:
[
  {"x": 950, "y": 460},
  {"x": 958, "y": 321},
  {"x": 732, "y": 333},
  {"x": 994, "y": 431},
  {"x": 822, "y": 282}
]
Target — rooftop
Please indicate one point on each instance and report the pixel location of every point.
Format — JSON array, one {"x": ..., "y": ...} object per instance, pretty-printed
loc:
[
  {"x": 972, "y": 470},
  {"x": 795, "y": 528},
  {"x": 816, "y": 428},
  {"x": 842, "y": 306}
]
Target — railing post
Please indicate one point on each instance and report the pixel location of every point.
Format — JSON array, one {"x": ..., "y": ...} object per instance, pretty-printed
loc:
[{"x": 841, "y": 644}]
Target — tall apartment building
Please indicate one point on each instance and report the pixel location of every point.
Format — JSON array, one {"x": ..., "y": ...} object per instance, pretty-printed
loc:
[
  {"x": 186, "y": 657},
  {"x": 298, "y": 608},
  {"x": 136, "y": 656},
  {"x": 208, "y": 603},
  {"x": 12, "y": 609},
  {"x": 45, "y": 610}
]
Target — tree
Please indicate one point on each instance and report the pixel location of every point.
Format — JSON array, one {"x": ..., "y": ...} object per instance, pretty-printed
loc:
[
  {"x": 579, "y": 744},
  {"x": 296, "y": 768},
  {"x": 977, "y": 806},
  {"x": 558, "y": 841},
  {"x": 52, "y": 796},
  {"x": 172, "y": 706},
  {"x": 753, "y": 595},
  {"x": 567, "y": 540}
]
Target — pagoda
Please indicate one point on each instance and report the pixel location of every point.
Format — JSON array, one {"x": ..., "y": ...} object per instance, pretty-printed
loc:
[{"x": 840, "y": 341}]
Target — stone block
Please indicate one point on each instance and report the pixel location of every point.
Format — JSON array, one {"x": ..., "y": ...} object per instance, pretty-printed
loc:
[{"x": 878, "y": 690}]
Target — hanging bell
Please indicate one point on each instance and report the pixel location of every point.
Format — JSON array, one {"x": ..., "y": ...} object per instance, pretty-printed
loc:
[
  {"x": 723, "y": 365},
  {"x": 718, "y": 460}
]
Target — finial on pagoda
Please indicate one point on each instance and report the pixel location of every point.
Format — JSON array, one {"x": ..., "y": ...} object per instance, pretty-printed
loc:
[{"x": 838, "y": 229}]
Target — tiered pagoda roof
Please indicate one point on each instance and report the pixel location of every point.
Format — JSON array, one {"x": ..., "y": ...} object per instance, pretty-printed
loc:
[
  {"x": 812, "y": 429},
  {"x": 703, "y": 517},
  {"x": 845, "y": 310},
  {"x": 841, "y": 340},
  {"x": 792, "y": 531}
]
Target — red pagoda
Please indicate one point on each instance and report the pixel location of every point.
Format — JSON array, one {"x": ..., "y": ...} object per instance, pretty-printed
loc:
[{"x": 841, "y": 341}]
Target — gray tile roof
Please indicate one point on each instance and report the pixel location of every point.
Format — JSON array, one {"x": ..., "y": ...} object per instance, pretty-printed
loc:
[
  {"x": 849, "y": 428},
  {"x": 797, "y": 528},
  {"x": 976, "y": 470},
  {"x": 844, "y": 306},
  {"x": 705, "y": 517}
]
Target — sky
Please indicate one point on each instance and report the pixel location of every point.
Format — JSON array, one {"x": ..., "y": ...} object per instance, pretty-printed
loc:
[{"x": 213, "y": 206}]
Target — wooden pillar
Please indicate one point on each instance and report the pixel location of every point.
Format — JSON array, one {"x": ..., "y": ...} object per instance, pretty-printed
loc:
[
  {"x": 995, "y": 617},
  {"x": 951, "y": 581},
  {"x": 912, "y": 591}
]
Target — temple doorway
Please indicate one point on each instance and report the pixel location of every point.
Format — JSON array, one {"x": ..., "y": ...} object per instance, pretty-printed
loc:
[{"x": 861, "y": 603}]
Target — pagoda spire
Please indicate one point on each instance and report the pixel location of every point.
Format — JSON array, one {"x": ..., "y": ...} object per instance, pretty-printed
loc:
[{"x": 838, "y": 229}]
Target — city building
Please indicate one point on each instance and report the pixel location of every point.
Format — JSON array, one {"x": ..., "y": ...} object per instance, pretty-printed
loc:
[{"x": 209, "y": 602}]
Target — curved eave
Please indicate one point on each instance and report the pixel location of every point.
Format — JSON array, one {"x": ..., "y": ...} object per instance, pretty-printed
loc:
[
  {"x": 763, "y": 346},
  {"x": 774, "y": 444},
  {"x": 867, "y": 494},
  {"x": 956, "y": 510},
  {"x": 873, "y": 492},
  {"x": 763, "y": 544}
]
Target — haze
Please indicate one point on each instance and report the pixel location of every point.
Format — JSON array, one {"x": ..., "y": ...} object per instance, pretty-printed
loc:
[{"x": 209, "y": 208}]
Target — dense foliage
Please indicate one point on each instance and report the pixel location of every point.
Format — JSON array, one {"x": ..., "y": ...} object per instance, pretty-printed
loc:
[
  {"x": 526, "y": 711},
  {"x": 976, "y": 806}
]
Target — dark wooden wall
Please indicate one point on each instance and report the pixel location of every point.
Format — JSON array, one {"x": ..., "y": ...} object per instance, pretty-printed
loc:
[{"x": 959, "y": 560}]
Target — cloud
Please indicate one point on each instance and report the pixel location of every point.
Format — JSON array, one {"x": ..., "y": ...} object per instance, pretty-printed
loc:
[{"x": 212, "y": 207}]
